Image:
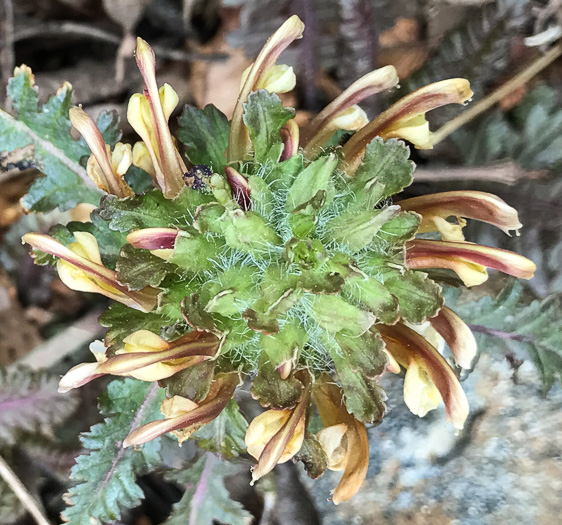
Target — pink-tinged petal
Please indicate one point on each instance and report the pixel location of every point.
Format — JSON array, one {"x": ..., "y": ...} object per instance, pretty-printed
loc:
[
  {"x": 290, "y": 136},
  {"x": 220, "y": 394},
  {"x": 403, "y": 113},
  {"x": 276, "y": 446},
  {"x": 372, "y": 83},
  {"x": 495, "y": 258},
  {"x": 144, "y": 300},
  {"x": 240, "y": 187},
  {"x": 78, "y": 376},
  {"x": 238, "y": 140},
  {"x": 476, "y": 205},
  {"x": 457, "y": 335},
  {"x": 173, "y": 166},
  {"x": 406, "y": 346},
  {"x": 200, "y": 344},
  {"x": 109, "y": 181},
  {"x": 153, "y": 238}
]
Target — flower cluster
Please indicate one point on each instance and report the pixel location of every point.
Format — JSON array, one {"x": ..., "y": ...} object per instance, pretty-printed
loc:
[{"x": 280, "y": 259}]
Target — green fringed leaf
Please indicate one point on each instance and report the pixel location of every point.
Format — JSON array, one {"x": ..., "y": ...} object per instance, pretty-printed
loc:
[
  {"x": 316, "y": 177},
  {"x": 193, "y": 382},
  {"x": 29, "y": 402},
  {"x": 137, "y": 269},
  {"x": 510, "y": 323},
  {"x": 45, "y": 134},
  {"x": 205, "y": 135},
  {"x": 359, "y": 363},
  {"x": 264, "y": 116},
  {"x": 358, "y": 230},
  {"x": 373, "y": 294},
  {"x": 206, "y": 500},
  {"x": 106, "y": 474},
  {"x": 401, "y": 228},
  {"x": 194, "y": 252},
  {"x": 333, "y": 314},
  {"x": 249, "y": 233},
  {"x": 419, "y": 297},
  {"x": 225, "y": 434},
  {"x": 151, "y": 210},
  {"x": 284, "y": 346},
  {"x": 122, "y": 321},
  {"x": 272, "y": 391},
  {"x": 385, "y": 171}
]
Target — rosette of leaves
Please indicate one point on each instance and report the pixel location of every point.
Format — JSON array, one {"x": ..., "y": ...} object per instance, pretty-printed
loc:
[{"x": 290, "y": 264}]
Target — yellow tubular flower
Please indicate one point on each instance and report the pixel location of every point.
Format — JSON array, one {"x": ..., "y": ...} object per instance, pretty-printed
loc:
[
  {"x": 183, "y": 417},
  {"x": 80, "y": 268},
  {"x": 147, "y": 357},
  {"x": 277, "y": 435},
  {"x": 148, "y": 114},
  {"x": 265, "y": 426},
  {"x": 468, "y": 260},
  {"x": 277, "y": 79},
  {"x": 258, "y": 73},
  {"x": 429, "y": 378},
  {"x": 105, "y": 168},
  {"x": 343, "y": 112},
  {"x": 343, "y": 438},
  {"x": 478, "y": 205},
  {"x": 406, "y": 118}
]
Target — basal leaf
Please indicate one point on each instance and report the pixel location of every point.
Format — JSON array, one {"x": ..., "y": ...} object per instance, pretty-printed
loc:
[
  {"x": 225, "y": 434},
  {"x": 106, "y": 473},
  {"x": 206, "y": 500},
  {"x": 29, "y": 402}
]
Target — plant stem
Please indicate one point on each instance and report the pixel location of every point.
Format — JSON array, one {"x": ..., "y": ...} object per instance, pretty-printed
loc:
[
  {"x": 493, "y": 98},
  {"x": 22, "y": 493}
]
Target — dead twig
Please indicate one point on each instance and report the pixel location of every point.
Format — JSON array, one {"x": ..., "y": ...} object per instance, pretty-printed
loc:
[
  {"x": 505, "y": 173},
  {"x": 532, "y": 69},
  {"x": 57, "y": 29},
  {"x": 26, "y": 499}
]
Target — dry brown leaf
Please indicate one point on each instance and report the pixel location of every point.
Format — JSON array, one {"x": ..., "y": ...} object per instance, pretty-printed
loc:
[
  {"x": 406, "y": 59},
  {"x": 404, "y": 31}
]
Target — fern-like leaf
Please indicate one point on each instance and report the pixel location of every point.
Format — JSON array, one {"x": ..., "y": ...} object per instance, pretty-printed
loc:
[
  {"x": 509, "y": 324},
  {"x": 29, "y": 402},
  {"x": 106, "y": 473},
  {"x": 206, "y": 500},
  {"x": 45, "y": 132}
]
